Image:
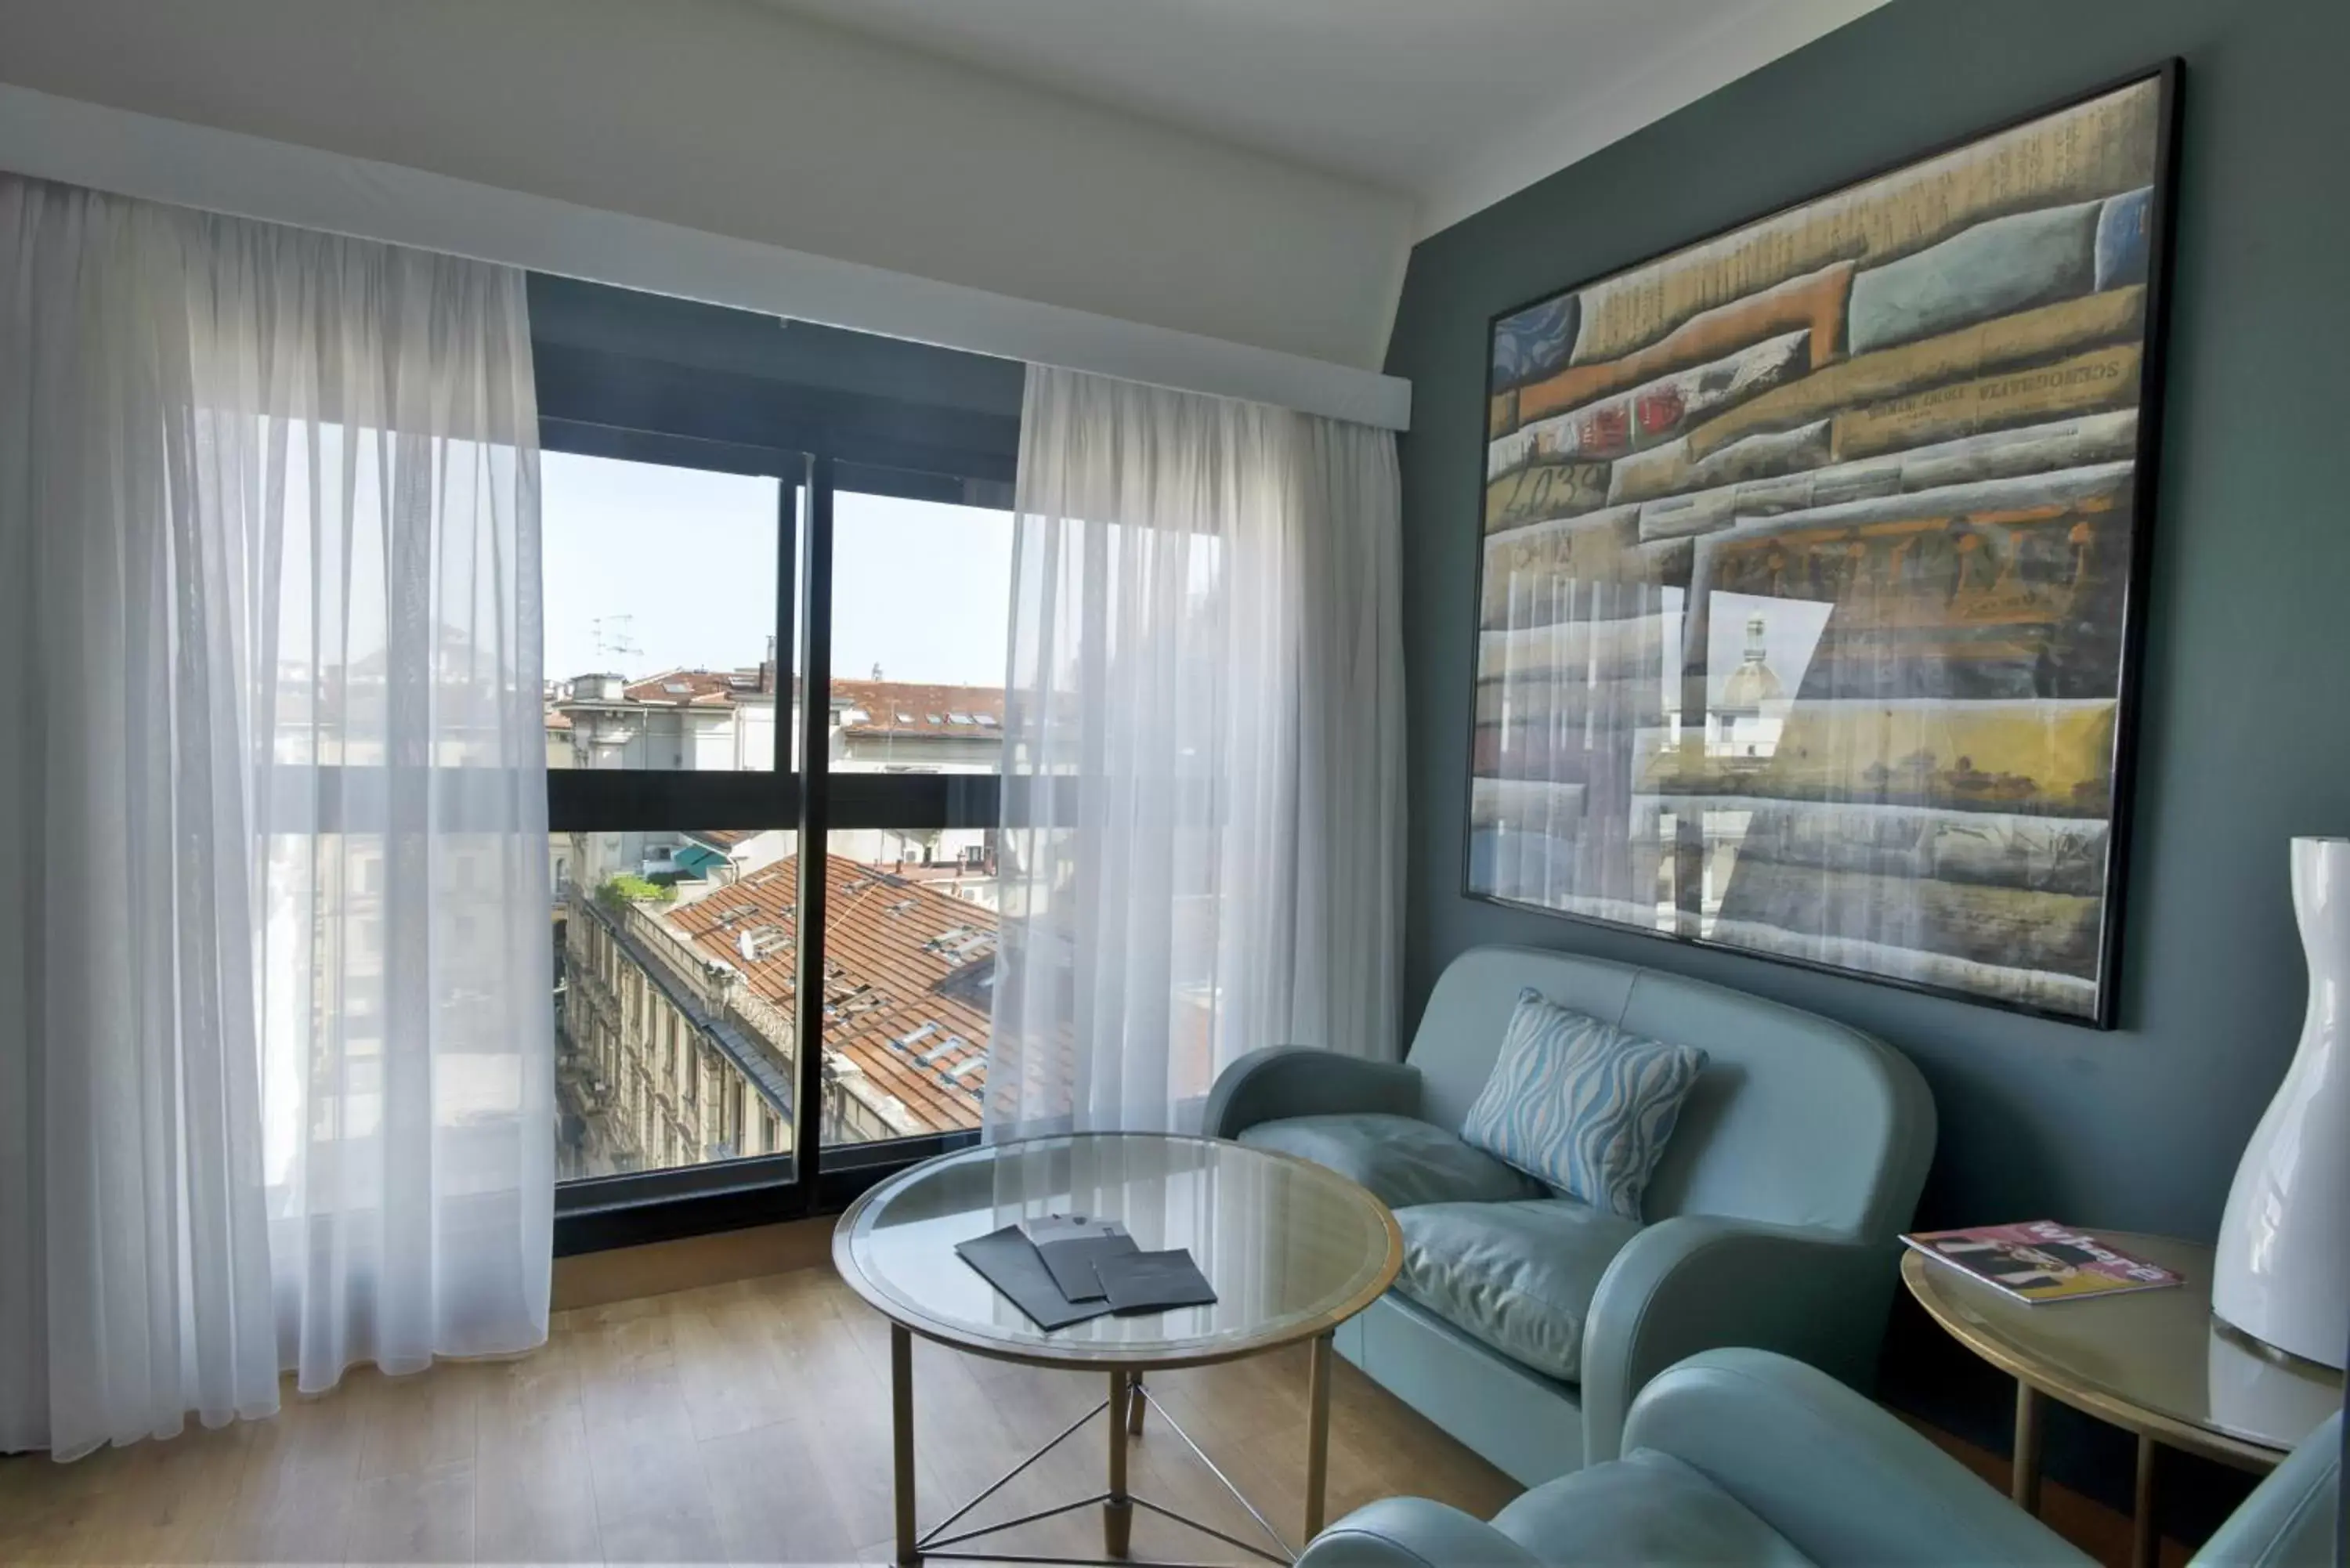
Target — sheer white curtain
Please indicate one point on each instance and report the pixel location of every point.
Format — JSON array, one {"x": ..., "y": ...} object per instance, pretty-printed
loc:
[
  {"x": 1203, "y": 730},
  {"x": 275, "y": 1044}
]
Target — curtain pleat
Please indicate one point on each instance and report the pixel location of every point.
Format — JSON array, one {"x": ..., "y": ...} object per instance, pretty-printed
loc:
[
  {"x": 1203, "y": 803},
  {"x": 275, "y": 1039}
]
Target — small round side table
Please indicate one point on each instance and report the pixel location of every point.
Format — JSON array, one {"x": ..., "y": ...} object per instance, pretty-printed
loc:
[{"x": 2154, "y": 1363}]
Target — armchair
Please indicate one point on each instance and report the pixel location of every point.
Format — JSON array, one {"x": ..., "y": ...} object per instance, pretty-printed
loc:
[{"x": 1741, "y": 1456}]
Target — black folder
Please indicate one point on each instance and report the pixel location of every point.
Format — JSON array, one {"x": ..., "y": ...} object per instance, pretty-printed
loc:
[
  {"x": 1153, "y": 1281},
  {"x": 1071, "y": 1262},
  {"x": 1009, "y": 1262}
]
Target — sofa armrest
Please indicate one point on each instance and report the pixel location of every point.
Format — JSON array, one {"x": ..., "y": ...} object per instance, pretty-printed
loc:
[
  {"x": 2289, "y": 1516},
  {"x": 1301, "y": 1081},
  {"x": 1842, "y": 1479},
  {"x": 1413, "y": 1533},
  {"x": 1697, "y": 1281}
]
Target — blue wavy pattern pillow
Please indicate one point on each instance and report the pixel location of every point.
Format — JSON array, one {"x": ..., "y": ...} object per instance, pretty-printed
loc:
[{"x": 1582, "y": 1103}]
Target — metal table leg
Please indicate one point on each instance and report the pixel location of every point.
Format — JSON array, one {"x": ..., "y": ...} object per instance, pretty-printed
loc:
[
  {"x": 1318, "y": 1435},
  {"x": 1117, "y": 1509},
  {"x": 902, "y": 1440},
  {"x": 2023, "y": 1485},
  {"x": 2146, "y": 1542}
]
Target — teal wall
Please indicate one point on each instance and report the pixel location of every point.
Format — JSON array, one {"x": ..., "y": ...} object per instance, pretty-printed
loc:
[{"x": 2245, "y": 736}]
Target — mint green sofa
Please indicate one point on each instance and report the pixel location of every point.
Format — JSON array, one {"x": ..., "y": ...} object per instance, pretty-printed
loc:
[
  {"x": 1524, "y": 1322},
  {"x": 1743, "y": 1457}
]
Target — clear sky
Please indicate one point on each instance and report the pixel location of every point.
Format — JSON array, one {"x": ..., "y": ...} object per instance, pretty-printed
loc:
[{"x": 920, "y": 588}]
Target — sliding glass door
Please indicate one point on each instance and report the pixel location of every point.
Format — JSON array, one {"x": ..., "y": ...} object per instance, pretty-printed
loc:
[{"x": 775, "y": 631}]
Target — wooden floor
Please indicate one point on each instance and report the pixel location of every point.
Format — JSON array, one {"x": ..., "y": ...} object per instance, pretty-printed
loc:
[{"x": 744, "y": 1422}]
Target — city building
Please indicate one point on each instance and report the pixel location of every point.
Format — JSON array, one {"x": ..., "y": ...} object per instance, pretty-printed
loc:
[
  {"x": 677, "y": 1022},
  {"x": 897, "y": 727},
  {"x": 695, "y": 719}
]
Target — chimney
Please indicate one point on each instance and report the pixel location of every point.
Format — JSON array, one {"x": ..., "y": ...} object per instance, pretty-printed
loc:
[{"x": 767, "y": 669}]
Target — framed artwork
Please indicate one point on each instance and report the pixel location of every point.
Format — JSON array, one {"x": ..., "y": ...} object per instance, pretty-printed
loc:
[{"x": 1811, "y": 583}]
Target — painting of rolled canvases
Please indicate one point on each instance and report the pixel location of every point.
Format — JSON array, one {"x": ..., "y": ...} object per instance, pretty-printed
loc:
[{"x": 1805, "y": 619}]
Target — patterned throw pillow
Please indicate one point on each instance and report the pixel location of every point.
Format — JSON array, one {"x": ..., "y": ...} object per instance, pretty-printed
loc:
[{"x": 1582, "y": 1103}]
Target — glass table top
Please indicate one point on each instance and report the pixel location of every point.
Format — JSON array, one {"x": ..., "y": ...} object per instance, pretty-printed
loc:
[
  {"x": 2158, "y": 1351},
  {"x": 1291, "y": 1249}
]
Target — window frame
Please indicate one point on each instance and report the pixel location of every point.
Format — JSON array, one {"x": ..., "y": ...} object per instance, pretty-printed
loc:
[{"x": 907, "y": 449}]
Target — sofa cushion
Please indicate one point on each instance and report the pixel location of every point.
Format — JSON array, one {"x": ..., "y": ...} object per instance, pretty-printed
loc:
[
  {"x": 1517, "y": 1276},
  {"x": 1646, "y": 1507},
  {"x": 1582, "y": 1103},
  {"x": 1402, "y": 1160}
]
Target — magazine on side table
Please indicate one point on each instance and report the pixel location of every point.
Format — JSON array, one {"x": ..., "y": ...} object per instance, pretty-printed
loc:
[{"x": 2041, "y": 1261}]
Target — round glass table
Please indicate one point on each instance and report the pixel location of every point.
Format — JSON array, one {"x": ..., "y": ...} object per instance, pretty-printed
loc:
[
  {"x": 2155, "y": 1363},
  {"x": 1292, "y": 1251}
]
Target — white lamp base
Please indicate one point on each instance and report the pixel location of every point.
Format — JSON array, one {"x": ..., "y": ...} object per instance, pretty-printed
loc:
[{"x": 2282, "y": 1272}]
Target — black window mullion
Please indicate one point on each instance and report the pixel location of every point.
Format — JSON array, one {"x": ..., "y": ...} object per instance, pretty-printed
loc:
[
  {"x": 816, "y": 825},
  {"x": 634, "y": 800},
  {"x": 915, "y": 800},
  {"x": 790, "y": 545}
]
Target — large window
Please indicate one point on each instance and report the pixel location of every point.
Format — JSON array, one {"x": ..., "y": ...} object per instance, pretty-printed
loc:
[{"x": 776, "y": 581}]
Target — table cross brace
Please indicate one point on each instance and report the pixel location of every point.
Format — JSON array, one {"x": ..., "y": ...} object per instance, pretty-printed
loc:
[{"x": 932, "y": 1541}]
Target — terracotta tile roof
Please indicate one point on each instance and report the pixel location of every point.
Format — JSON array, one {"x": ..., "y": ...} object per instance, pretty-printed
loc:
[
  {"x": 900, "y": 707},
  {"x": 689, "y": 688},
  {"x": 724, "y": 839},
  {"x": 908, "y": 975}
]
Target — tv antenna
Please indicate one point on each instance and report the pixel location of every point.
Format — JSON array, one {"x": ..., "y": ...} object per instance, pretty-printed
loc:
[{"x": 614, "y": 639}]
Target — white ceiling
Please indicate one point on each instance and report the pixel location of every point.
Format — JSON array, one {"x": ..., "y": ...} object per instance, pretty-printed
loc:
[{"x": 1456, "y": 103}]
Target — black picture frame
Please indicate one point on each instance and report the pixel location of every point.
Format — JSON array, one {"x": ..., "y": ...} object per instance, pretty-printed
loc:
[{"x": 2104, "y": 1011}]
